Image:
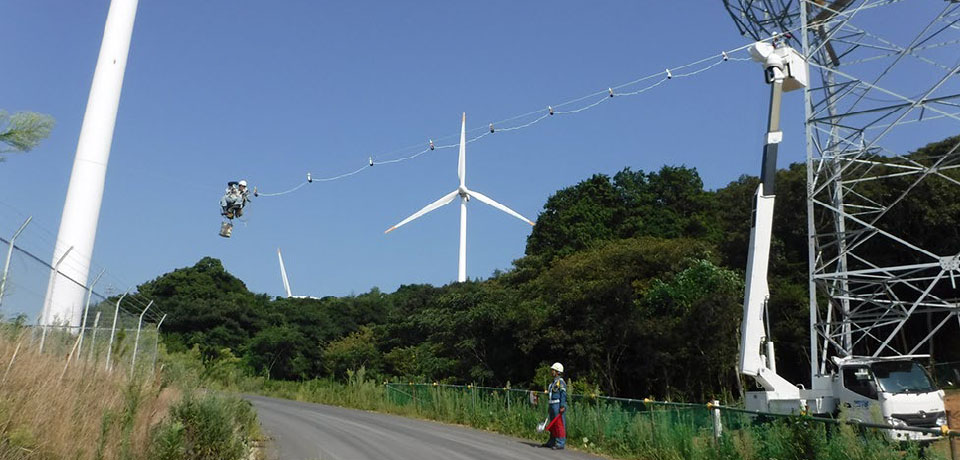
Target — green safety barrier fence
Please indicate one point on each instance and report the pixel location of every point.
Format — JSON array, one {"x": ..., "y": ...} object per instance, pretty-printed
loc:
[{"x": 599, "y": 417}]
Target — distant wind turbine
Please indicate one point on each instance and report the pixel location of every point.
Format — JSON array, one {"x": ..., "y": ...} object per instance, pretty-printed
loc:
[
  {"x": 465, "y": 195},
  {"x": 286, "y": 283}
]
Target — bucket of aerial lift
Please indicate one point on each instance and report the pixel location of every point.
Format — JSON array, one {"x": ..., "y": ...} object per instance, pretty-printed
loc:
[
  {"x": 226, "y": 229},
  {"x": 792, "y": 63}
]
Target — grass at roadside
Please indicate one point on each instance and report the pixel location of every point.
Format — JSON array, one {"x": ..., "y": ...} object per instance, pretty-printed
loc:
[
  {"x": 50, "y": 409},
  {"x": 607, "y": 429}
]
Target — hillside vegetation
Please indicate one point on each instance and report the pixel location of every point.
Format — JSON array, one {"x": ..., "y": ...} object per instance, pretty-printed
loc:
[{"x": 634, "y": 282}]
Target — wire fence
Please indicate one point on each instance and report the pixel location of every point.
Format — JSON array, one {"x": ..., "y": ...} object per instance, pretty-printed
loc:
[
  {"x": 117, "y": 327},
  {"x": 596, "y": 418}
]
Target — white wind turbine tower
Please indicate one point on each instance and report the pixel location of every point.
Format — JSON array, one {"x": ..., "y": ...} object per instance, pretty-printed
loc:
[{"x": 465, "y": 195}]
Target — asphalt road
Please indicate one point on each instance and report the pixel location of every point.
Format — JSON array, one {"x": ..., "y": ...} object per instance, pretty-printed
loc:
[{"x": 305, "y": 431}]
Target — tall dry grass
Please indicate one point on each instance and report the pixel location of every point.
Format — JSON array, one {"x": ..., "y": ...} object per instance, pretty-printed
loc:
[{"x": 80, "y": 411}]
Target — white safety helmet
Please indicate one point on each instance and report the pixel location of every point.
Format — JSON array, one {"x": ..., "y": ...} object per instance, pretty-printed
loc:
[
  {"x": 557, "y": 367},
  {"x": 243, "y": 183}
]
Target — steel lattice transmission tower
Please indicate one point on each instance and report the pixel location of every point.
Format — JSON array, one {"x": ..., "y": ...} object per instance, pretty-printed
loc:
[{"x": 883, "y": 82}]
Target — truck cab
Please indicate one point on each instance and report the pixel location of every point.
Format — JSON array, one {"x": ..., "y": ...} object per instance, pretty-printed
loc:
[{"x": 896, "y": 391}]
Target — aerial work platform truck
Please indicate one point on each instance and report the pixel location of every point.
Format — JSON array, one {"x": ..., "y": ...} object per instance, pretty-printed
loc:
[{"x": 895, "y": 390}]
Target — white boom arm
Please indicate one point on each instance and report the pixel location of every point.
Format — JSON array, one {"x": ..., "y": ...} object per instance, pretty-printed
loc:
[{"x": 753, "y": 337}]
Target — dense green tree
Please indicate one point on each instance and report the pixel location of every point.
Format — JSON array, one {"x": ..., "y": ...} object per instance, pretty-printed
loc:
[
  {"x": 634, "y": 282},
  {"x": 276, "y": 352},
  {"x": 358, "y": 349}
]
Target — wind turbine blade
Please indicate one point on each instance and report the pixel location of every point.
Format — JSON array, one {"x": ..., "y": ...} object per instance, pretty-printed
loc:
[
  {"x": 430, "y": 207},
  {"x": 283, "y": 274},
  {"x": 462, "y": 164},
  {"x": 485, "y": 199}
]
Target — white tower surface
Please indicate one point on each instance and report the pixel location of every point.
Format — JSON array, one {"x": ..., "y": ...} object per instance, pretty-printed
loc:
[
  {"x": 81, "y": 210},
  {"x": 465, "y": 195}
]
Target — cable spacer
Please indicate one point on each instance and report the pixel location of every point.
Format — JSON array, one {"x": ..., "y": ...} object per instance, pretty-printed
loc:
[
  {"x": 491, "y": 127},
  {"x": 724, "y": 54},
  {"x": 371, "y": 161},
  {"x": 550, "y": 109},
  {"x": 610, "y": 90},
  {"x": 431, "y": 144},
  {"x": 309, "y": 179},
  {"x": 669, "y": 75}
]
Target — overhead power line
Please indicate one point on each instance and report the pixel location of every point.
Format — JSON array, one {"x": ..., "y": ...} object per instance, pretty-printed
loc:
[{"x": 529, "y": 119}]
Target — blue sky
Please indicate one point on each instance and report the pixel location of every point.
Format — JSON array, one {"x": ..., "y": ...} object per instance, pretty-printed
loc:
[{"x": 268, "y": 91}]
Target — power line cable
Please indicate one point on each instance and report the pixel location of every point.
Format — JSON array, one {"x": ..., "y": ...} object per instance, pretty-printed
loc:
[{"x": 600, "y": 97}]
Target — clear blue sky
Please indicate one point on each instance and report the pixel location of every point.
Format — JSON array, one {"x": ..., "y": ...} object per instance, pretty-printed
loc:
[{"x": 267, "y": 91}]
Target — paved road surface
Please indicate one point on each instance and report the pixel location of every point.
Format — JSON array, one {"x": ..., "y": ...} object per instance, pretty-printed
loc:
[{"x": 305, "y": 431}]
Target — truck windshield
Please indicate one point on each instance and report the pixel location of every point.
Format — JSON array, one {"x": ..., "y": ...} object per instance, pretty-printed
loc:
[{"x": 901, "y": 377}]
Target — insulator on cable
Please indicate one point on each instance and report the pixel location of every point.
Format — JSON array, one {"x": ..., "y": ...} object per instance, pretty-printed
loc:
[
  {"x": 309, "y": 178},
  {"x": 550, "y": 109},
  {"x": 431, "y": 144},
  {"x": 669, "y": 75},
  {"x": 371, "y": 161},
  {"x": 491, "y": 127},
  {"x": 610, "y": 90},
  {"x": 724, "y": 54}
]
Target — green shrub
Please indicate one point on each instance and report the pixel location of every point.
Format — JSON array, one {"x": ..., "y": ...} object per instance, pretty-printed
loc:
[{"x": 204, "y": 427}]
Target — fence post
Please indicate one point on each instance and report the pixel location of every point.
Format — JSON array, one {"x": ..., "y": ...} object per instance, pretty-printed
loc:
[
  {"x": 53, "y": 285},
  {"x": 77, "y": 342},
  {"x": 86, "y": 309},
  {"x": 14, "y": 357},
  {"x": 717, "y": 425},
  {"x": 6, "y": 265},
  {"x": 136, "y": 343},
  {"x": 156, "y": 345},
  {"x": 113, "y": 329},
  {"x": 599, "y": 417},
  {"x": 43, "y": 335},
  {"x": 93, "y": 338}
]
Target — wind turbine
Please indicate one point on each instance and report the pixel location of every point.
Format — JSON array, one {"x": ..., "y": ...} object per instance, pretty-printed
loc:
[
  {"x": 286, "y": 283},
  {"x": 465, "y": 195}
]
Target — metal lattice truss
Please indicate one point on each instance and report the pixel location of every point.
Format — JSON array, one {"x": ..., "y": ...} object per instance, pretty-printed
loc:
[{"x": 883, "y": 81}]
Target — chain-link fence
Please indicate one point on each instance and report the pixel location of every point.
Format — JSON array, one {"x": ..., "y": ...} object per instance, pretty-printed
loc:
[{"x": 117, "y": 328}]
